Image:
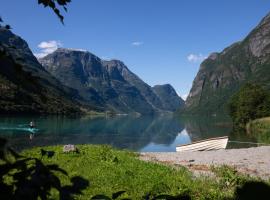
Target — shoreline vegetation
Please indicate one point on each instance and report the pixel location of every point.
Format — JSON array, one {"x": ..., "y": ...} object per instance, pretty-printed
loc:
[
  {"x": 251, "y": 102},
  {"x": 260, "y": 128},
  {"x": 109, "y": 171}
]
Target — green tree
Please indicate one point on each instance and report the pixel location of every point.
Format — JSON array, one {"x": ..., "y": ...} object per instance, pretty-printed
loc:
[{"x": 249, "y": 103}]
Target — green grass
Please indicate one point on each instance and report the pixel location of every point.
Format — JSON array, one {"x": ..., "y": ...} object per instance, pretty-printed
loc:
[
  {"x": 260, "y": 129},
  {"x": 109, "y": 171}
]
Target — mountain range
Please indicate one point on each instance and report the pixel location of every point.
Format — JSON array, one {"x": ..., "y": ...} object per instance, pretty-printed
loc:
[
  {"x": 25, "y": 86},
  {"x": 72, "y": 81},
  {"x": 108, "y": 84},
  {"x": 222, "y": 74}
]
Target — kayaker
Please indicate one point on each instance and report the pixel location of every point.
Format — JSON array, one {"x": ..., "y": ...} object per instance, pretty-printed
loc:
[{"x": 32, "y": 125}]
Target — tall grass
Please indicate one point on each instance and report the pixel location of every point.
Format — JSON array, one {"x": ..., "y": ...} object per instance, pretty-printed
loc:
[{"x": 260, "y": 129}]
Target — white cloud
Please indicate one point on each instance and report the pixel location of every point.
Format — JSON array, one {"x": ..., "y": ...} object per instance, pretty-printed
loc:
[
  {"x": 196, "y": 57},
  {"x": 137, "y": 43},
  {"x": 47, "y": 47},
  {"x": 184, "y": 96}
]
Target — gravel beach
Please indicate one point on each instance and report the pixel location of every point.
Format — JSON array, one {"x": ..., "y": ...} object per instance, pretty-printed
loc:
[{"x": 253, "y": 161}]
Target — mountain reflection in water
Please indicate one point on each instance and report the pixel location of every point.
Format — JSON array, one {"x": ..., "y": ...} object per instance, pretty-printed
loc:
[
  {"x": 145, "y": 133},
  {"x": 123, "y": 132}
]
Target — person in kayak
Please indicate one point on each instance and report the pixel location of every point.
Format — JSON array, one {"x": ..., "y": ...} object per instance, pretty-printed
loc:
[{"x": 32, "y": 125}]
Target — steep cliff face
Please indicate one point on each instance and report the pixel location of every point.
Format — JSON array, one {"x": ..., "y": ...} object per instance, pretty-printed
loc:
[
  {"x": 144, "y": 88},
  {"x": 169, "y": 98},
  {"x": 98, "y": 82},
  {"x": 104, "y": 83},
  {"x": 25, "y": 86},
  {"x": 72, "y": 68},
  {"x": 221, "y": 74}
]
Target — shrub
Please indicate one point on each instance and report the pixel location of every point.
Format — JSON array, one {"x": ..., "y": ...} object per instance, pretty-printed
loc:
[{"x": 249, "y": 103}]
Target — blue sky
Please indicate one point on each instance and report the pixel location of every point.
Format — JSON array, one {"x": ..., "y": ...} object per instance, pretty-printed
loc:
[{"x": 162, "y": 41}]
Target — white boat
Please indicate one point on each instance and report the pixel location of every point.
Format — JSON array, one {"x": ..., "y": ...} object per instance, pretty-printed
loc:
[{"x": 204, "y": 145}]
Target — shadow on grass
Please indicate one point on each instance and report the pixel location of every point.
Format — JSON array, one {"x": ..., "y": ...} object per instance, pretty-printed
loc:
[
  {"x": 252, "y": 190},
  {"x": 30, "y": 178}
]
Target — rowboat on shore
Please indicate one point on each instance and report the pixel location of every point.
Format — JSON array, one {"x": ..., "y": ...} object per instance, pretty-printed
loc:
[{"x": 204, "y": 145}]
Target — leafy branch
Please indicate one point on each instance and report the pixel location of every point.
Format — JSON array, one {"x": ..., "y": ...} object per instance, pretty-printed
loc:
[{"x": 55, "y": 5}]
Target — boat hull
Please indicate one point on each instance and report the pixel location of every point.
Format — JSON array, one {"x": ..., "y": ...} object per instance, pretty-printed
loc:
[{"x": 205, "y": 145}]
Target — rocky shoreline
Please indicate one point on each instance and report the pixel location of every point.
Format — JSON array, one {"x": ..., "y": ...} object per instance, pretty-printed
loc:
[{"x": 253, "y": 161}]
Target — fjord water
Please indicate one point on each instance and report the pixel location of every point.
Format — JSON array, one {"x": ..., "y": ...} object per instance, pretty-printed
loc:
[{"x": 144, "y": 133}]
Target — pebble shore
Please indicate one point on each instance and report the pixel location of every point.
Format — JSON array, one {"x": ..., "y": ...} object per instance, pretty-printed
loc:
[{"x": 252, "y": 161}]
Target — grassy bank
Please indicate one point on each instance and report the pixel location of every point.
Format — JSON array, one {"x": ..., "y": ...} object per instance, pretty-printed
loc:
[
  {"x": 260, "y": 129},
  {"x": 109, "y": 171}
]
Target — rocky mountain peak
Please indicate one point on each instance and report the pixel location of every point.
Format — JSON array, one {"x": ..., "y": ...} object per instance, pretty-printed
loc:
[
  {"x": 265, "y": 20},
  {"x": 109, "y": 83},
  {"x": 168, "y": 96},
  {"x": 77, "y": 52},
  {"x": 259, "y": 39},
  {"x": 67, "y": 77},
  {"x": 9, "y": 38},
  {"x": 213, "y": 56},
  {"x": 19, "y": 49},
  {"x": 221, "y": 74},
  {"x": 166, "y": 87},
  {"x": 113, "y": 62},
  {"x": 110, "y": 64},
  {"x": 30, "y": 88}
]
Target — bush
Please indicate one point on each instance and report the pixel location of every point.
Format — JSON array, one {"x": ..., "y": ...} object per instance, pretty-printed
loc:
[{"x": 249, "y": 103}]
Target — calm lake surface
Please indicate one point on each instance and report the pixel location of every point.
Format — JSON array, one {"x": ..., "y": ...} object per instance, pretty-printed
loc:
[{"x": 145, "y": 133}]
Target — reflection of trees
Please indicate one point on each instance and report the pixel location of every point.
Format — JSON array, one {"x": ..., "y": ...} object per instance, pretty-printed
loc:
[
  {"x": 121, "y": 132},
  {"x": 241, "y": 136},
  {"x": 207, "y": 127},
  {"x": 249, "y": 139}
]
